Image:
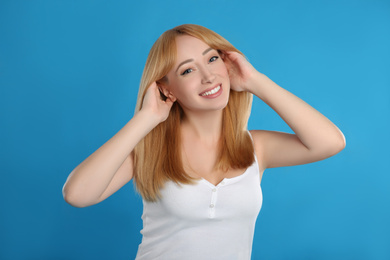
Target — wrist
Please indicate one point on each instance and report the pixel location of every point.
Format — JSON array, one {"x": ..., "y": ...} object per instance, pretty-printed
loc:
[
  {"x": 150, "y": 118},
  {"x": 257, "y": 80}
]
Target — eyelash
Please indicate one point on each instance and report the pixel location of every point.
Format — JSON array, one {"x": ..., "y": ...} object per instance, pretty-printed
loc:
[
  {"x": 188, "y": 70},
  {"x": 216, "y": 58}
]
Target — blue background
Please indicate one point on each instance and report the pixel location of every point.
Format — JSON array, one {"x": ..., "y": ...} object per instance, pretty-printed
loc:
[{"x": 69, "y": 75}]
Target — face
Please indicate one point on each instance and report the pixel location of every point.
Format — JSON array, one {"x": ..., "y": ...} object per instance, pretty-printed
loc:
[{"x": 199, "y": 79}]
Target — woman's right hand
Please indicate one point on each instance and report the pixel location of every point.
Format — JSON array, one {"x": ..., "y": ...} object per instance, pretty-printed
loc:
[{"x": 154, "y": 105}]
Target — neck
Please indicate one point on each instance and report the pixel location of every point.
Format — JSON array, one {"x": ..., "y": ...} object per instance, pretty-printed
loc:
[{"x": 205, "y": 127}]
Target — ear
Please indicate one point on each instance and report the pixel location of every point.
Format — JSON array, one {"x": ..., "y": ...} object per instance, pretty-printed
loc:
[
  {"x": 163, "y": 90},
  {"x": 166, "y": 92}
]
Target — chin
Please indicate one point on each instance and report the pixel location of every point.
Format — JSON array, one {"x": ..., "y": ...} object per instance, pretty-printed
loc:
[{"x": 223, "y": 101}]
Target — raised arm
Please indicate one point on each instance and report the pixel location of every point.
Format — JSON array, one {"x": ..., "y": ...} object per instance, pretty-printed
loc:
[
  {"x": 315, "y": 138},
  {"x": 111, "y": 166}
]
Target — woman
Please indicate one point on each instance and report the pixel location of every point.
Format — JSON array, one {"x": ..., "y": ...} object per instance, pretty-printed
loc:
[{"x": 195, "y": 164}]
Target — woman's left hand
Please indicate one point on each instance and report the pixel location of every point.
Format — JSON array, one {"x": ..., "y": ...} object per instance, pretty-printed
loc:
[{"x": 241, "y": 72}]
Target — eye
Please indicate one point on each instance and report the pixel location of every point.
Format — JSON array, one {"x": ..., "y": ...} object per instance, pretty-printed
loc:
[
  {"x": 214, "y": 58},
  {"x": 186, "y": 71}
]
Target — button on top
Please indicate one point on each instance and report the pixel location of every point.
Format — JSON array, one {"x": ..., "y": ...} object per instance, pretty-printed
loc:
[{"x": 214, "y": 189}]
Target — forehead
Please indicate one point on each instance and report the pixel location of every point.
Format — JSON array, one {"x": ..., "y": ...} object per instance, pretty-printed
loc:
[{"x": 189, "y": 46}]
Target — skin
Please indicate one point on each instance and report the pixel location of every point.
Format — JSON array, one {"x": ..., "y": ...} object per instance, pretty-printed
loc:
[
  {"x": 111, "y": 166},
  {"x": 205, "y": 71},
  {"x": 202, "y": 124}
]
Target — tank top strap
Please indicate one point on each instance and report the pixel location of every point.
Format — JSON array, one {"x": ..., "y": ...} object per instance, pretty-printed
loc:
[
  {"x": 254, "y": 151},
  {"x": 253, "y": 143}
]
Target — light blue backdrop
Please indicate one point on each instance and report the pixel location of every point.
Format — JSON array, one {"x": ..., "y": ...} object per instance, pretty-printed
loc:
[{"x": 69, "y": 74}]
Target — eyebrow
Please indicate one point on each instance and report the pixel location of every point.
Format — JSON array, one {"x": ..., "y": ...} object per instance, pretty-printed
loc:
[
  {"x": 206, "y": 51},
  {"x": 189, "y": 60}
]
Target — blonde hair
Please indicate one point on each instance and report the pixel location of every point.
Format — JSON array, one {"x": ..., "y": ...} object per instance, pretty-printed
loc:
[{"x": 157, "y": 157}]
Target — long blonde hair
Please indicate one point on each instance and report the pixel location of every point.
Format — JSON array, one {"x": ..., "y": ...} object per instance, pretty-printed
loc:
[{"x": 157, "y": 157}]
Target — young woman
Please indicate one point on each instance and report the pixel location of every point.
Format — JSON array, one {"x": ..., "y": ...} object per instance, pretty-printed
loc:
[{"x": 193, "y": 160}]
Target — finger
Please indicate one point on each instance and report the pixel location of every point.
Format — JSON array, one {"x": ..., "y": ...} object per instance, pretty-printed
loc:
[
  {"x": 231, "y": 65},
  {"x": 231, "y": 53},
  {"x": 234, "y": 56}
]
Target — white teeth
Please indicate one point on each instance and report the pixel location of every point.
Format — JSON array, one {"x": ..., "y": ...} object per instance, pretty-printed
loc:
[{"x": 213, "y": 91}]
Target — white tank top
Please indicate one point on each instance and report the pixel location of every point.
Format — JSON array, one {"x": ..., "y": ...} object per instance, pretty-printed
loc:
[{"x": 203, "y": 221}]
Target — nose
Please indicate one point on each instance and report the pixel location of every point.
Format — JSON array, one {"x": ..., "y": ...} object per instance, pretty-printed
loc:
[{"x": 207, "y": 76}]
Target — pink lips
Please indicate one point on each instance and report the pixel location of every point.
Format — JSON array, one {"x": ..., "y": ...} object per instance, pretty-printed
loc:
[{"x": 212, "y": 95}]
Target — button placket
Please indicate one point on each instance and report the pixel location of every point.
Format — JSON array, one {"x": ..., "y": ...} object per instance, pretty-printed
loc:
[{"x": 213, "y": 201}]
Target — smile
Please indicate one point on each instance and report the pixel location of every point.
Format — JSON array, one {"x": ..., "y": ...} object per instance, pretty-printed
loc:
[{"x": 210, "y": 92}]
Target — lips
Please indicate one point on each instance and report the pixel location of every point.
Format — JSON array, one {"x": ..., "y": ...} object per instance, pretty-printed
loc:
[{"x": 211, "y": 91}]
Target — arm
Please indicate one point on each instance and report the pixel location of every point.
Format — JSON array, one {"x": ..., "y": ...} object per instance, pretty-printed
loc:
[
  {"x": 111, "y": 166},
  {"x": 315, "y": 138}
]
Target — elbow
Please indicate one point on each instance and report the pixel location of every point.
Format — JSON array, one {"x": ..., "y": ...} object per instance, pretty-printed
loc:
[
  {"x": 337, "y": 145},
  {"x": 330, "y": 146},
  {"x": 73, "y": 199},
  {"x": 70, "y": 198},
  {"x": 341, "y": 142}
]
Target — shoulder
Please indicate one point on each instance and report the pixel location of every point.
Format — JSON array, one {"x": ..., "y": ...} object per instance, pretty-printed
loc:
[
  {"x": 276, "y": 149},
  {"x": 258, "y": 137}
]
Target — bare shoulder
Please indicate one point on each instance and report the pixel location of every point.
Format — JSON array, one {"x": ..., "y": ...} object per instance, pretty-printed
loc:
[
  {"x": 258, "y": 136},
  {"x": 277, "y": 149}
]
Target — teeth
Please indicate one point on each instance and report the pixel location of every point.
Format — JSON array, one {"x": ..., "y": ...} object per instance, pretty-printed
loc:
[{"x": 213, "y": 91}]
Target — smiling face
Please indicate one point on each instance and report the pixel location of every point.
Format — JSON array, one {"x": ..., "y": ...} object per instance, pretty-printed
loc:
[{"x": 199, "y": 78}]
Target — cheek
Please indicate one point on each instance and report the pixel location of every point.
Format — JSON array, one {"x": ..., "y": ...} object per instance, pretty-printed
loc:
[
  {"x": 223, "y": 70},
  {"x": 180, "y": 90}
]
